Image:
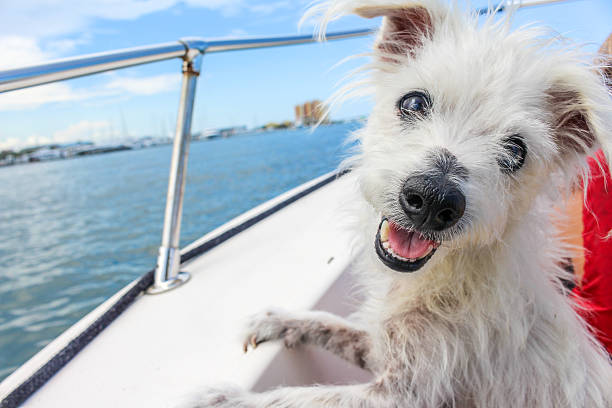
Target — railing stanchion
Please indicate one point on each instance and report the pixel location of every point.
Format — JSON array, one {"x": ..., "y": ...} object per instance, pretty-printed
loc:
[{"x": 167, "y": 274}]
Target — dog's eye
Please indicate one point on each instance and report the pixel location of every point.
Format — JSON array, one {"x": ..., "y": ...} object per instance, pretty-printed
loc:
[
  {"x": 516, "y": 151},
  {"x": 414, "y": 103}
]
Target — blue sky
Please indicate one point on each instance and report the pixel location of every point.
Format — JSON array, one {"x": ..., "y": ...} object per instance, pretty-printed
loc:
[{"x": 249, "y": 87}]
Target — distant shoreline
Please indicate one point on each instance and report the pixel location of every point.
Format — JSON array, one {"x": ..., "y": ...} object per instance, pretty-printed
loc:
[{"x": 56, "y": 152}]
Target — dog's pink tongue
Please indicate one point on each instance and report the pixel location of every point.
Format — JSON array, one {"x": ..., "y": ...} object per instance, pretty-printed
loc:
[{"x": 408, "y": 244}]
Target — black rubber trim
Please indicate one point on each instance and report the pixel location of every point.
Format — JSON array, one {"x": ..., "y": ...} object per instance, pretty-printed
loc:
[{"x": 57, "y": 362}]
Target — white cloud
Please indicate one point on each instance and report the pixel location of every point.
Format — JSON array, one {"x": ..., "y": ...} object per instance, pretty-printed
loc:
[
  {"x": 269, "y": 8},
  {"x": 19, "y": 51},
  {"x": 10, "y": 143},
  {"x": 238, "y": 32},
  {"x": 63, "y": 46},
  {"x": 32, "y": 98},
  {"x": 95, "y": 131},
  {"x": 145, "y": 86},
  {"x": 86, "y": 130},
  {"x": 98, "y": 131},
  {"x": 61, "y": 17}
]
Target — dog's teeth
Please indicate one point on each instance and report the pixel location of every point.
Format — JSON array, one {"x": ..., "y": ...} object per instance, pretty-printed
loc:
[
  {"x": 384, "y": 231},
  {"x": 394, "y": 255}
]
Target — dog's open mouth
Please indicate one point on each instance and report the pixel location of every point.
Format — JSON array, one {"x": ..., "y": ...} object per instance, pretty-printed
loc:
[{"x": 403, "y": 250}]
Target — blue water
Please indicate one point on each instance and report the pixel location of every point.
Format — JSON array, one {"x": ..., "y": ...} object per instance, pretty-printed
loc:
[{"x": 73, "y": 232}]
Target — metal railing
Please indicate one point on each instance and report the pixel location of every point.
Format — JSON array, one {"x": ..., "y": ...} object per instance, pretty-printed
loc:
[
  {"x": 186, "y": 48},
  {"x": 190, "y": 50}
]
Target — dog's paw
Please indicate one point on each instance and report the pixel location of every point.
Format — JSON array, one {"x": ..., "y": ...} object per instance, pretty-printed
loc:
[
  {"x": 269, "y": 325},
  {"x": 220, "y": 397}
]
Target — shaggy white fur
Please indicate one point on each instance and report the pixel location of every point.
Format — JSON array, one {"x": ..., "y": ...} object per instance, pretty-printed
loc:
[{"x": 485, "y": 322}]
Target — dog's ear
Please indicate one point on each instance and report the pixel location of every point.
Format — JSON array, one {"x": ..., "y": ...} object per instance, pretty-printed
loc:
[
  {"x": 605, "y": 53},
  {"x": 572, "y": 127},
  {"x": 581, "y": 107},
  {"x": 404, "y": 29}
]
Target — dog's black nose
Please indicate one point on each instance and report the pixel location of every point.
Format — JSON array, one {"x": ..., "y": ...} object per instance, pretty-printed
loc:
[{"x": 432, "y": 203}]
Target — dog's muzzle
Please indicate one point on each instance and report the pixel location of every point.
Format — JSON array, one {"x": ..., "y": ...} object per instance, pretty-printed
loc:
[{"x": 432, "y": 203}]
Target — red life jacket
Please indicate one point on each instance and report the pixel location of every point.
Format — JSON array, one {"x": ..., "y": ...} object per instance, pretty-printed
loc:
[{"x": 596, "y": 286}]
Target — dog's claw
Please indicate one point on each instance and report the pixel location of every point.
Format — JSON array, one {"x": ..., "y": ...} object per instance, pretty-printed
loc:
[{"x": 252, "y": 341}]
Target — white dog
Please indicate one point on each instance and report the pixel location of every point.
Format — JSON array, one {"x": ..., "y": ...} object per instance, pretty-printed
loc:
[{"x": 476, "y": 132}]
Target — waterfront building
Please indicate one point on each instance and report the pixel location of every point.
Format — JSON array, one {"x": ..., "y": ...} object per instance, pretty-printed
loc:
[{"x": 310, "y": 113}]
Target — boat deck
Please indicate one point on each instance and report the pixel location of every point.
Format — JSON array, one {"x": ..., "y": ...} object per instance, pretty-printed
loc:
[{"x": 166, "y": 347}]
